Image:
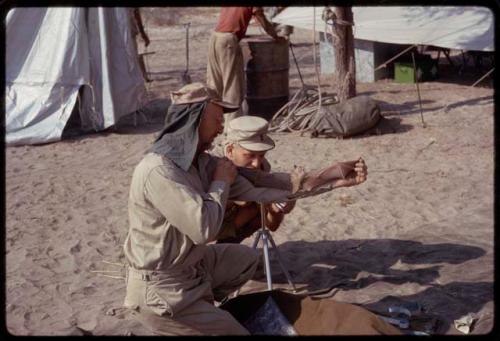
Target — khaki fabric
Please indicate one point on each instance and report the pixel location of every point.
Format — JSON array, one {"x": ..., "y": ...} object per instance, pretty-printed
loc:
[
  {"x": 250, "y": 132},
  {"x": 197, "y": 92},
  {"x": 182, "y": 303},
  {"x": 225, "y": 70}
]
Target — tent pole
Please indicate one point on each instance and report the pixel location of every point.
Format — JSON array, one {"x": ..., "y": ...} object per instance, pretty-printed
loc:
[
  {"x": 384, "y": 64},
  {"x": 418, "y": 90},
  {"x": 484, "y": 76}
]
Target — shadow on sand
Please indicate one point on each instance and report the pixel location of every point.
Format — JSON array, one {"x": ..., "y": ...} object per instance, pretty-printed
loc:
[{"x": 354, "y": 264}]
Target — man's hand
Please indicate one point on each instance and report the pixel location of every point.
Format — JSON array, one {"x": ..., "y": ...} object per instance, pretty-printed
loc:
[
  {"x": 354, "y": 178},
  {"x": 225, "y": 171},
  {"x": 361, "y": 171}
]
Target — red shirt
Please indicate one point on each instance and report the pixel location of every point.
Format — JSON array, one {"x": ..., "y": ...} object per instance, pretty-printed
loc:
[{"x": 235, "y": 20}]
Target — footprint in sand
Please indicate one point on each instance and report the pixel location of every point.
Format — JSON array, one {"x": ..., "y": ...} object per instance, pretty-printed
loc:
[
  {"x": 53, "y": 224},
  {"x": 90, "y": 290},
  {"x": 371, "y": 189},
  {"x": 396, "y": 215},
  {"x": 75, "y": 248}
]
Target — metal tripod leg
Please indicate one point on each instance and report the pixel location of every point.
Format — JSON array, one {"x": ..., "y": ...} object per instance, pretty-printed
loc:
[
  {"x": 280, "y": 261},
  {"x": 265, "y": 248},
  {"x": 266, "y": 237},
  {"x": 256, "y": 241}
]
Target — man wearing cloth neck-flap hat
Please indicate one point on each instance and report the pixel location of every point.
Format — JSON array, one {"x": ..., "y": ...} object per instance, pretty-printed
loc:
[{"x": 177, "y": 200}]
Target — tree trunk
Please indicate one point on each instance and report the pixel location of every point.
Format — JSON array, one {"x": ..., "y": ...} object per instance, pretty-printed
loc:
[{"x": 344, "y": 80}]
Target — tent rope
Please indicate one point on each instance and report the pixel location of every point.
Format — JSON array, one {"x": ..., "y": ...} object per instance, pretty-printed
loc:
[{"x": 304, "y": 110}]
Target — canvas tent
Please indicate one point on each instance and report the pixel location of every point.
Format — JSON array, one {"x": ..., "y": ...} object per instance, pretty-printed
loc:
[
  {"x": 461, "y": 28},
  {"x": 55, "y": 56}
]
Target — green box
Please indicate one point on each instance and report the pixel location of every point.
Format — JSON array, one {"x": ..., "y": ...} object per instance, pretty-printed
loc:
[
  {"x": 403, "y": 73},
  {"x": 426, "y": 70}
]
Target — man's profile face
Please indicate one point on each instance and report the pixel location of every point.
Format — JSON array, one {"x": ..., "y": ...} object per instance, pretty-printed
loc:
[
  {"x": 211, "y": 125},
  {"x": 242, "y": 157}
]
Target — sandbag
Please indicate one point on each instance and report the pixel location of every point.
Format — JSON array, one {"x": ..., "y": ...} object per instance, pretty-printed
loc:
[
  {"x": 348, "y": 118},
  {"x": 308, "y": 315}
]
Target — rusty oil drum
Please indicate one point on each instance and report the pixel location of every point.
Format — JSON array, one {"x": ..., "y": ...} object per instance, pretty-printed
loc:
[{"x": 266, "y": 68}]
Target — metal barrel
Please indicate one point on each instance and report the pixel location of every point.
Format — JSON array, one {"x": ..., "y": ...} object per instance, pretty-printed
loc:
[{"x": 266, "y": 67}]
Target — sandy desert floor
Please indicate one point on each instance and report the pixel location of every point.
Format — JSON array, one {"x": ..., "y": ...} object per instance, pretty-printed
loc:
[{"x": 421, "y": 228}]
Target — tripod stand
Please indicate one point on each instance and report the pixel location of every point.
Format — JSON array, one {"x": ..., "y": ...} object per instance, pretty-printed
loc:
[{"x": 266, "y": 237}]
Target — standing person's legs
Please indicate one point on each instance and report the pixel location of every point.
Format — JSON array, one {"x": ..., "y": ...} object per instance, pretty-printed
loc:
[
  {"x": 233, "y": 75},
  {"x": 214, "y": 73},
  {"x": 226, "y": 71}
]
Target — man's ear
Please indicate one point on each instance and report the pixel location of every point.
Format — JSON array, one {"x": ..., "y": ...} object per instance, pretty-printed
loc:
[{"x": 228, "y": 152}]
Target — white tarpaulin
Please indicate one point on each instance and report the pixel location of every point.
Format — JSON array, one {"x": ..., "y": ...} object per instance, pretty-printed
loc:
[
  {"x": 461, "y": 28},
  {"x": 51, "y": 53}
]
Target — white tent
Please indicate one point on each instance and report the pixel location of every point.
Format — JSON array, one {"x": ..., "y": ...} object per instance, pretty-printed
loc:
[
  {"x": 461, "y": 28},
  {"x": 53, "y": 55}
]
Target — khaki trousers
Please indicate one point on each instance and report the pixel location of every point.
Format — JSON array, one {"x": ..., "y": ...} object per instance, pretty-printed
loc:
[
  {"x": 225, "y": 70},
  {"x": 172, "y": 305}
]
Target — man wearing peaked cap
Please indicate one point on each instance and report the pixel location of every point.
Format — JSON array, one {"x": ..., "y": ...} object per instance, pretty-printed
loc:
[
  {"x": 250, "y": 132},
  {"x": 246, "y": 146}
]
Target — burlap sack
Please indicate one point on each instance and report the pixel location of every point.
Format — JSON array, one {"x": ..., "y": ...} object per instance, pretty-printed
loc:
[{"x": 347, "y": 118}]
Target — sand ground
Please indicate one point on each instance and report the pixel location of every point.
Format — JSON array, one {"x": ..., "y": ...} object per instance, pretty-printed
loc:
[{"x": 420, "y": 229}]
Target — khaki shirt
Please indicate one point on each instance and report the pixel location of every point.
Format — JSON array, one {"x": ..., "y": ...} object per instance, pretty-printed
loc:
[{"x": 174, "y": 213}]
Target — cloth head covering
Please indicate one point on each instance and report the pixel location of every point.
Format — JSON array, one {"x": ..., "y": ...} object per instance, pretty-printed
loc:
[
  {"x": 179, "y": 138},
  {"x": 198, "y": 92},
  {"x": 250, "y": 132}
]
